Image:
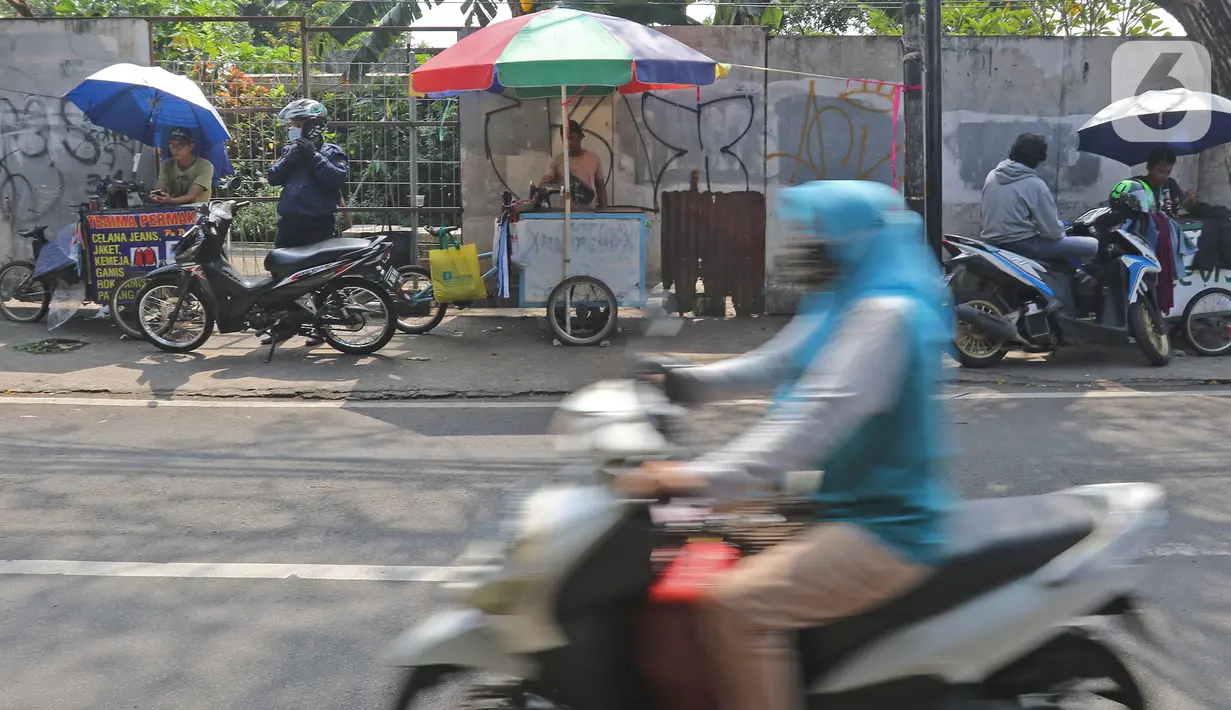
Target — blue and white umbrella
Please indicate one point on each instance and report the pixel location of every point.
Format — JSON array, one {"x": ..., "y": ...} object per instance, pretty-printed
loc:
[
  {"x": 1127, "y": 130},
  {"x": 145, "y": 103}
]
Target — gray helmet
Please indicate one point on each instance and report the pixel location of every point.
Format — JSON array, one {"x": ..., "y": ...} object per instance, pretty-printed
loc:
[{"x": 314, "y": 111}]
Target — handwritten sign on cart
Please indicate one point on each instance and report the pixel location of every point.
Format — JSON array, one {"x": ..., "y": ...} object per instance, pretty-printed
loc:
[
  {"x": 608, "y": 246},
  {"x": 123, "y": 244}
]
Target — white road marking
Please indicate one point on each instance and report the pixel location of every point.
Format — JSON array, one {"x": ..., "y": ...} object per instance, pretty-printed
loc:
[
  {"x": 210, "y": 570},
  {"x": 340, "y": 573},
  {"x": 545, "y": 403}
]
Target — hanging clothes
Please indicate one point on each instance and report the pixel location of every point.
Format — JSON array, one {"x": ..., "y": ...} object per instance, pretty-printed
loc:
[
  {"x": 500, "y": 245},
  {"x": 1166, "y": 251}
]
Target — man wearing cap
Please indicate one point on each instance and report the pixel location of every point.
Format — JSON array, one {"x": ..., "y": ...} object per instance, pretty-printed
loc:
[
  {"x": 584, "y": 166},
  {"x": 183, "y": 178}
]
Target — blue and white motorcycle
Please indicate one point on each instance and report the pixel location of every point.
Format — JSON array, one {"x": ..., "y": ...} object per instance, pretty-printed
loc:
[{"x": 1005, "y": 301}]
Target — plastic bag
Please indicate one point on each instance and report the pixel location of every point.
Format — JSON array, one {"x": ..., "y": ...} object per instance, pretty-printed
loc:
[
  {"x": 519, "y": 253},
  {"x": 456, "y": 275},
  {"x": 65, "y": 301},
  {"x": 697, "y": 567}
]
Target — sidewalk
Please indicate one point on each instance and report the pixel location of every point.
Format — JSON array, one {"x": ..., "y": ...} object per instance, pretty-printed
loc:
[{"x": 474, "y": 354}]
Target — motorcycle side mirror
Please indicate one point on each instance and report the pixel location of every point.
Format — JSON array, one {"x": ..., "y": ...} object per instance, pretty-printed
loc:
[{"x": 235, "y": 182}]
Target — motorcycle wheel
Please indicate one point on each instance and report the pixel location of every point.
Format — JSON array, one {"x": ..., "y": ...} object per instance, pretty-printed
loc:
[
  {"x": 124, "y": 315},
  {"x": 974, "y": 350},
  {"x": 1154, "y": 344},
  {"x": 410, "y": 314},
  {"x": 13, "y": 275},
  {"x": 1052, "y": 676},
  {"x": 155, "y": 301},
  {"x": 347, "y": 290},
  {"x": 451, "y": 687},
  {"x": 1197, "y": 325}
]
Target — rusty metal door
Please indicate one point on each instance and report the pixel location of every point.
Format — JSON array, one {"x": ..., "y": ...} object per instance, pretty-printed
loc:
[{"x": 717, "y": 238}]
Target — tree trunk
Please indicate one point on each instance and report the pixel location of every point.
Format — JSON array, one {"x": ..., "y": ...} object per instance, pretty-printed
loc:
[
  {"x": 21, "y": 8},
  {"x": 1208, "y": 22}
]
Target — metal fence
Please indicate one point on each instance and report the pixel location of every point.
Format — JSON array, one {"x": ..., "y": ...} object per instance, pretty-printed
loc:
[{"x": 404, "y": 152}]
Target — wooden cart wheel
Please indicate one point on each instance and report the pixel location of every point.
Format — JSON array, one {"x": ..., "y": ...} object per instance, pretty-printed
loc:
[{"x": 581, "y": 310}]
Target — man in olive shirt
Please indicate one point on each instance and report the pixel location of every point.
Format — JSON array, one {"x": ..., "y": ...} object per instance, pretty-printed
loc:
[{"x": 183, "y": 178}]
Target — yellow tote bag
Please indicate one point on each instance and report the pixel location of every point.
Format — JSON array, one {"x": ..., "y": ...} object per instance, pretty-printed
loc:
[{"x": 456, "y": 275}]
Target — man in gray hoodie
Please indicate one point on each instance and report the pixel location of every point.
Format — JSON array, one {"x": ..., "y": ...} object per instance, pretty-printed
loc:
[{"x": 1019, "y": 212}]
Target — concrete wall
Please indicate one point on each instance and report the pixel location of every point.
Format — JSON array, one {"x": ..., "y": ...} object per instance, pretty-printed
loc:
[
  {"x": 765, "y": 130},
  {"x": 50, "y": 155}
]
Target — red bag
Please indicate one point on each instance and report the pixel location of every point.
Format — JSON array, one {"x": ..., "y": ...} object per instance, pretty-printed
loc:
[
  {"x": 694, "y": 569},
  {"x": 672, "y": 651}
]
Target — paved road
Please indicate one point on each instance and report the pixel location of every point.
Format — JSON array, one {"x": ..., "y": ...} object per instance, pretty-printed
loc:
[{"x": 378, "y": 485}]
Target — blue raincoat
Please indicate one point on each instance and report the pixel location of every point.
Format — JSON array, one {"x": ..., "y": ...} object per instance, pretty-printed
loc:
[{"x": 887, "y": 476}]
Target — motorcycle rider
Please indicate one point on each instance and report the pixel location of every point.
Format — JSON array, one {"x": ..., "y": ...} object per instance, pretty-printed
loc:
[
  {"x": 857, "y": 370},
  {"x": 312, "y": 174},
  {"x": 1019, "y": 212}
]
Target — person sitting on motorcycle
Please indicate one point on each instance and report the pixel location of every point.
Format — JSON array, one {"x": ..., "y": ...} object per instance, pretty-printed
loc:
[
  {"x": 1019, "y": 212},
  {"x": 857, "y": 372}
]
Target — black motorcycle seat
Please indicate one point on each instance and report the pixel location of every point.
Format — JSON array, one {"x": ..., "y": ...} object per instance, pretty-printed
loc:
[
  {"x": 991, "y": 542},
  {"x": 284, "y": 261}
]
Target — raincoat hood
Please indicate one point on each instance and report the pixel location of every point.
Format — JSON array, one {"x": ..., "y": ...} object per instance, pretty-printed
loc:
[
  {"x": 1010, "y": 171},
  {"x": 880, "y": 246}
]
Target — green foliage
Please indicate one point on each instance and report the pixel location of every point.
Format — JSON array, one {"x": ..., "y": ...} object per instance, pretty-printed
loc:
[
  {"x": 822, "y": 18},
  {"x": 257, "y": 223},
  {"x": 1038, "y": 18}
]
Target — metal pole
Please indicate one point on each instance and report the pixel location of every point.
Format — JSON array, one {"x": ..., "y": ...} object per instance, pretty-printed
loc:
[
  {"x": 912, "y": 105},
  {"x": 414, "y": 169},
  {"x": 934, "y": 189},
  {"x": 568, "y": 175},
  {"x": 303, "y": 57}
]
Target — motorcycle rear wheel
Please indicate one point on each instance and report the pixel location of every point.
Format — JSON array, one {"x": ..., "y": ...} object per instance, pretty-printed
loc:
[
  {"x": 347, "y": 288},
  {"x": 974, "y": 350},
  {"x": 1049, "y": 677},
  {"x": 13, "y": 275}
]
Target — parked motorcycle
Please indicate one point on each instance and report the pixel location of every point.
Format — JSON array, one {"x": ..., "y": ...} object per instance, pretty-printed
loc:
[
  {"x": 554, "y": 606},
  {"x": 23, "y": 298},
  {"x": 1006, "y": 301},
  {"x": 318, "y": 288}
]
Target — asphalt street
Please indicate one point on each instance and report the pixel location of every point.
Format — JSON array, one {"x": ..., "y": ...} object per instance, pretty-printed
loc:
[{"x": 382, "y": 496}]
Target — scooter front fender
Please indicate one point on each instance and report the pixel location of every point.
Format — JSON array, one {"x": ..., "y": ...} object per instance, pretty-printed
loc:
[{"x": 456, "y": 638}]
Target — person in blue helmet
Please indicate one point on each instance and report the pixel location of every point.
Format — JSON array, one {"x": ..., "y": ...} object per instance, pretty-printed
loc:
[{"x": 856, "y": 373}]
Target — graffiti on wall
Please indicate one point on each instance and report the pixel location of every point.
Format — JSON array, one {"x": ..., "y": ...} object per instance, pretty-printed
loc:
[
  {"x": 701, "y": 137},
  {"x": 665, "y": 139},
  {"x": 844, "y": 135},
  {"x": 981, "y": 145},
  {"x": 51, "y": 156}
]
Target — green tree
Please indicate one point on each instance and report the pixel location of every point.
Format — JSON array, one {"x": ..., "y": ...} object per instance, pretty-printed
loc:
[{"x": 1038, "y": 18}]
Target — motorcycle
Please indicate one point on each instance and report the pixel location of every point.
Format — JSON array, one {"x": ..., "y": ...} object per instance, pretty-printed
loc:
[
  {"x": 314, "y": 289},
  {"x": 19, "y": 286},
  {"x": 1006, "y": 301},
  {"x": 552, "y": 604}
]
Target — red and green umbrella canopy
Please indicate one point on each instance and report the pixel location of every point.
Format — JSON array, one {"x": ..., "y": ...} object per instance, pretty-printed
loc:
[{"x": 533, "y": 56}]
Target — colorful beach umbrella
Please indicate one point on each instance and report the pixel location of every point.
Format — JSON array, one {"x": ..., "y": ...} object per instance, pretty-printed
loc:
[{"x": 535, "y": 55}]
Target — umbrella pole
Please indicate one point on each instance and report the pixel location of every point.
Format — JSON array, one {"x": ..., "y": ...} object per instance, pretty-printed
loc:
[{"x": 568, "y": 175}]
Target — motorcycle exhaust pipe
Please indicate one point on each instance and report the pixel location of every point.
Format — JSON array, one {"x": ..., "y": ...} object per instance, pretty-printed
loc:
[{"x": 995, "y": 327}]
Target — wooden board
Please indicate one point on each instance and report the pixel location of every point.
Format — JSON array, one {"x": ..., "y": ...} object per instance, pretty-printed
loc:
[{"x": 608, "y": 246}]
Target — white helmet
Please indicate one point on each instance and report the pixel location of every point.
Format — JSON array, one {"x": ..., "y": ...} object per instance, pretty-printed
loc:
[{"x": 314, "y": 111}]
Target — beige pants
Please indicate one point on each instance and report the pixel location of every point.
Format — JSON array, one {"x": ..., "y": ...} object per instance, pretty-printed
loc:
[{"x": 826, "y": 573}]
